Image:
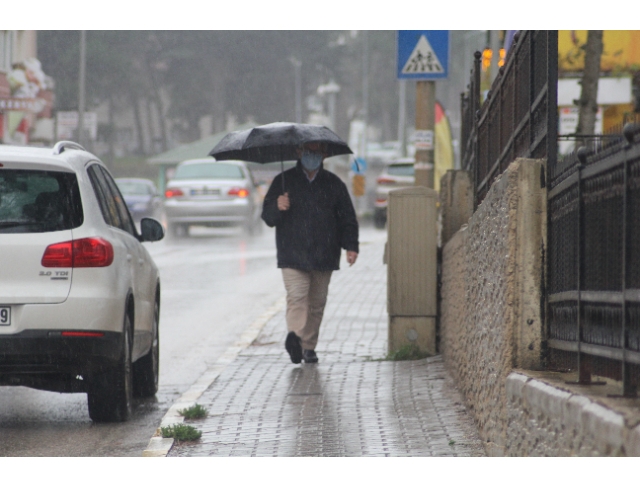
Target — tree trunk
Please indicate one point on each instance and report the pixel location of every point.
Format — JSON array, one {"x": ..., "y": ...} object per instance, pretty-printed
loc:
[
  {"x": 588, "y": 104},
  {"x": 138, "y": 121},
  {"x": 112, "y": 131}
]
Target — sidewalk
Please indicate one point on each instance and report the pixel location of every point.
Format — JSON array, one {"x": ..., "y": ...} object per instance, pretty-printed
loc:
[{"x": 350, "y": 403}]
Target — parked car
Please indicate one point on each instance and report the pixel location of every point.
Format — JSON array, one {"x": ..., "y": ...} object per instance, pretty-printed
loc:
[
  {"x": 397, "y": 174},
  {"x": 79, "y": 293},
  {"x": 211, "y": 193},
  {"x": 141, "y": 196}
]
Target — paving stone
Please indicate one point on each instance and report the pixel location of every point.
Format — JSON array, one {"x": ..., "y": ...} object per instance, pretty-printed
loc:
[{"x": 352, "y": 403}]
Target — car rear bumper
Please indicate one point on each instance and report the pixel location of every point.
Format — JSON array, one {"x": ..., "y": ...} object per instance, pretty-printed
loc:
[
  {"x": 238, "y": 210},
  {"x": 48, "y": 352}
]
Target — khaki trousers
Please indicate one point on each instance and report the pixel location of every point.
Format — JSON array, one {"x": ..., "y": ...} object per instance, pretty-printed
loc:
[{"x": 306, "y": 297}]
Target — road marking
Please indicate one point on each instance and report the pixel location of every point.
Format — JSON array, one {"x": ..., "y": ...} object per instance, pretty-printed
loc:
[{"x": 159, "y": 446}]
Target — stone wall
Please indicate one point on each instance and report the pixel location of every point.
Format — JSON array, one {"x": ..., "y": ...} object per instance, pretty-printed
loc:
[
  {"x": 491, "y": 323},
  {"x": 545, "y": 418},
  {"x": 491, "y": 319}
]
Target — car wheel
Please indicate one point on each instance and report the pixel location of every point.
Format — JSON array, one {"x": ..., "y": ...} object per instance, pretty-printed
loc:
[
  {"x": 111, "y": 391},
  {"x": 146, "y": 369},
  {"x": 379, "y": 219},
  {"x": 253, "y": 227},
  {"x": 178, "y": 229}
]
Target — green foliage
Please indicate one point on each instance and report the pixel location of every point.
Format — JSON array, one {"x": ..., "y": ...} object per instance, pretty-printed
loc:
[
  {"x": 181, "y": 432},
  {"x": 407, "y": 352},
  {"x": 193, "y": 412}
]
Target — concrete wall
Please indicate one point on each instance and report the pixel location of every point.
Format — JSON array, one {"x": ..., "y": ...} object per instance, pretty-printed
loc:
[
  {"x": 491, "y": 295},
  {"x": 456, "y": 203}
]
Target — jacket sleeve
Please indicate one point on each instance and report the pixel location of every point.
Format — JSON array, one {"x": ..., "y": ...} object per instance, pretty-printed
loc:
[
  {"x": 270, "y": 213},
  {"x": 347, "y": 221}
]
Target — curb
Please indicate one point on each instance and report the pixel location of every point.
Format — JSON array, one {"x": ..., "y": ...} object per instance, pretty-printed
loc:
[{"x": 159, "y": 446}]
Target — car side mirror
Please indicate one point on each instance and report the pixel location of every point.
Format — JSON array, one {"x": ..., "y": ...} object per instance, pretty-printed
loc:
[{"x": 151, "y": 230}]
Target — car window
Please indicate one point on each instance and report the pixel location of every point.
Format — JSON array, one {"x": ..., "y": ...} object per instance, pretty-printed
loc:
[
  {"x": 125, "y": 218},
  {"x": 134, "y": 188},
  {"x": 39, "y": 201},
  {"x": 401, "y": 170},
  {"x": 107, "y": 205},
  {"x": 209, "y": 171}
]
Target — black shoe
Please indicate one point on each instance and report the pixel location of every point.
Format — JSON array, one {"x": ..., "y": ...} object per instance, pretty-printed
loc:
[
  {"x": 310, "y": 356},
  {"x": 293, "y": 344}
]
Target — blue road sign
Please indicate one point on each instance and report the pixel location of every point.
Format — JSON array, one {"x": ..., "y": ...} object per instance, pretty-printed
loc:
[
  {"x": 423, "y": 54},
  {"x": 358, "y": 165}
]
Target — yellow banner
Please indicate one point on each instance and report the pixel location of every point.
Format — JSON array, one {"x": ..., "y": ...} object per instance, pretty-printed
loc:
[{"x": 621, "y": 50}]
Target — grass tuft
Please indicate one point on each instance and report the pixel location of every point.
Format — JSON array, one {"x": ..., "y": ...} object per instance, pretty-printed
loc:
[
  {"x": 407, "y": 352},
  {"x": 181, "y": 432},
  {"x": 193, "y": 412}
]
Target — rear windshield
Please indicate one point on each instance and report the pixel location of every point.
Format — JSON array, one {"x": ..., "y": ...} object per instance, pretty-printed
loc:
[
  {"x": 38, "y": 201},
  {"x": 400, "y": 170},
  {"x": 209, "y": 171},
  {"x": 131, "y": 187}
]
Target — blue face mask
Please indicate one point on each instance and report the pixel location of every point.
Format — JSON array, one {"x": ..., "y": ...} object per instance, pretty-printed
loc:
[{"x": 311, "y": 160}]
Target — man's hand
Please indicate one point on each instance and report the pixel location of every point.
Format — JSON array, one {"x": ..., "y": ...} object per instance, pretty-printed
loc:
[
  {"x": 351, "y": 257},
  {"x": 283, "y": 202}
]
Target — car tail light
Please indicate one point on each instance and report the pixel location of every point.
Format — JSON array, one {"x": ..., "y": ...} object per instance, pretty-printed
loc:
[
  {"x": 89, "y": 334},
  {"x": 85, "y": 252},
  {"x": 239, "y": 192},
  {"x": 385, "y": 180},
  {"x": 173, "y": 192}
]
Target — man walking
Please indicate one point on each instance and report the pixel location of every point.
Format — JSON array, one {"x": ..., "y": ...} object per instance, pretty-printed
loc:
[{"x": 314, "y": 220}]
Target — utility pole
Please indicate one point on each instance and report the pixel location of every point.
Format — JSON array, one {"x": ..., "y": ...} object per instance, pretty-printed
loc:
[
  {"x": 365, "y": 90},
  {"x": 425, "y": 124},
  {"x": 402, "y": 117},
  {"x": 81, "y": 86}
]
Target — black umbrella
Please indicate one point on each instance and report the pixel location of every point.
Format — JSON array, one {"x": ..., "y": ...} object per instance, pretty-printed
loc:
[{"x": 277, "y": 141}]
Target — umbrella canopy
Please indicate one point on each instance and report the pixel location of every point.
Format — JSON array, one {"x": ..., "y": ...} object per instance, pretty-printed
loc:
[{"x": 276, "y": 142}]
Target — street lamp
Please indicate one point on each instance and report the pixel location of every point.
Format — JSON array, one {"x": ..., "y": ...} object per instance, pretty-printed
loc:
[
  {"x": 298, "y": 80},
  {"x": 331, "y": 89}
]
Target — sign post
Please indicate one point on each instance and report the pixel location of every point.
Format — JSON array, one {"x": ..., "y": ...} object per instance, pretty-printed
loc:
[{"x": 423, "y": 55}]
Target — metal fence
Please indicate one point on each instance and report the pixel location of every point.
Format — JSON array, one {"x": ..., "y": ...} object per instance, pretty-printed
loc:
[
  {"x": 593, "y": 286},
  {"x": 518, "y": 117}
]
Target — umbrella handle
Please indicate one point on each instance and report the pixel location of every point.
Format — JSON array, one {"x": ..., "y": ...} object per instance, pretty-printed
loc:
[{"x": 282, "y": 171}]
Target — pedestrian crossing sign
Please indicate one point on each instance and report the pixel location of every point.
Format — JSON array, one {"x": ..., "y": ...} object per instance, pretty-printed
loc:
[{"x": 423, "y": 54}]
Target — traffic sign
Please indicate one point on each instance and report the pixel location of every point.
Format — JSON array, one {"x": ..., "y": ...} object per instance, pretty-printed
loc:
[
  {"x": 423, "y": 54},
  {"x": 358, "y": 165}
]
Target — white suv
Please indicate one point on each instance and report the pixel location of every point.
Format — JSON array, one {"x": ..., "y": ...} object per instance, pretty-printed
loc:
[{"x": 79, "y": 293}]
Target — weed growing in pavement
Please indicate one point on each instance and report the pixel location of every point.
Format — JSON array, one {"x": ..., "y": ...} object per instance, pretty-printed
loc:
[
  {"x": 181, "y": 432},
  {"x": 407, "y": 352},
  {"x": 452, "y": 442},
  {"x": 193, "y": 412}
]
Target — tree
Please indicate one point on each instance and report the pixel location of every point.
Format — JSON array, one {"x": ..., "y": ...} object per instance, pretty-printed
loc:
[{"x": 588, "y": 102}]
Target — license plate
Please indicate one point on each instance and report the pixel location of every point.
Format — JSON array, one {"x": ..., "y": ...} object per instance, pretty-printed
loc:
[
  {"x": 205, "y": 192},
  {"x": 5, "y": 315}
]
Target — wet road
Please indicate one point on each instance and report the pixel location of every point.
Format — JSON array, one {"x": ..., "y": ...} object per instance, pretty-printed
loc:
[{"x": 215, "y": 283}]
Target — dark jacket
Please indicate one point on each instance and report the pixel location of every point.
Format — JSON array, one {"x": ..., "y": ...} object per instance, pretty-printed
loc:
[{"x": 320, "y": 221}]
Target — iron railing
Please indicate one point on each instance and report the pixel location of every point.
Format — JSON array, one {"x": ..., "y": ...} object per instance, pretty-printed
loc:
[
  {"x": 593, "y": 287},
  {"x": 518, "y": 117}
]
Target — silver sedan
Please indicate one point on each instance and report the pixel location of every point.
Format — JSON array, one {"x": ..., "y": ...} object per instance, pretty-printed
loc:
[{"x": 209, "y": 193}]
